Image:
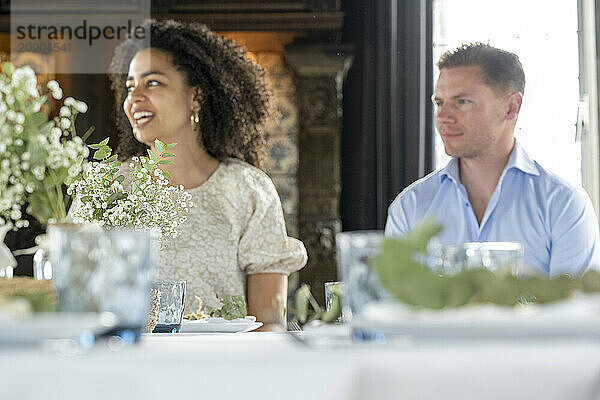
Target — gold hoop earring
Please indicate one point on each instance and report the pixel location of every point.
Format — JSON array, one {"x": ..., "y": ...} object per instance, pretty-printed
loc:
[{"x": 194, "y": 119}]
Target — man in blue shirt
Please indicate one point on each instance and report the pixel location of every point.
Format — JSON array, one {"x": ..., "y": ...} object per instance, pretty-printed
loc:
[{"x": 491, "y": 190}]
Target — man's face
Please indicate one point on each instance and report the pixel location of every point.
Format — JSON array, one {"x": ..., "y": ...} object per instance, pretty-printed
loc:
[{"x": 471, "y": 117}]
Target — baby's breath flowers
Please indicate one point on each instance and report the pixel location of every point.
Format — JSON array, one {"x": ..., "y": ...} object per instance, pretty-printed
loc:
[
  {"x": 149, "y": 203},
  {"x": 37, "y": 157}
]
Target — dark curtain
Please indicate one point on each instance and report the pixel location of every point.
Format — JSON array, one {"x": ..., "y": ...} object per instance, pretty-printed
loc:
[{"x": 387, "y": 140}]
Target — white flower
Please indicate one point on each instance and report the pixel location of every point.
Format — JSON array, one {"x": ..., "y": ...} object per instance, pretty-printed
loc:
[
  {"x": 65, "y": 123},
  {"x": 65, "y": 111},
  {"x": 53, "y": 85},
  {"x": 15, "y": 214},
  {"x": 57, "y": 94},
  {"x": 69, "y": 102},
  {"x": 81, "y": 107}
]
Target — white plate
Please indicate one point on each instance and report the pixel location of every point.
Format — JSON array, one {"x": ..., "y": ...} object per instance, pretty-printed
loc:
[
  {"x": 576, "y": 317},
  {"x": 46, "y": 326},
  {"x": 204, "y": 325}
]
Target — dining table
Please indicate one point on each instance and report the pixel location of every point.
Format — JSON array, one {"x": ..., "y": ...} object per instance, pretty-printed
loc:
[{"x": 311, "y": 365}]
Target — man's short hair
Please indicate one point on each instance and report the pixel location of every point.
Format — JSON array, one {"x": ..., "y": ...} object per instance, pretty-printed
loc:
[{"x": 500, "y": 69}]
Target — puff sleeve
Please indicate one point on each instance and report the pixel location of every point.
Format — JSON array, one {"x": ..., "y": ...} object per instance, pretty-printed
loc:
[{"x": 264, "y": 246}]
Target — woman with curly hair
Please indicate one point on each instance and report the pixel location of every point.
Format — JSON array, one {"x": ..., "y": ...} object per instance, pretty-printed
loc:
[{"x": 184, "y": 84}]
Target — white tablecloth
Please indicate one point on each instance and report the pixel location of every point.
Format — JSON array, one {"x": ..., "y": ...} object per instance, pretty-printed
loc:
[{"x": 272, "y": 366}]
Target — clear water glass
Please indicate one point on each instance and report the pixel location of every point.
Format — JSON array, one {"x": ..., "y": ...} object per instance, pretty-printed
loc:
[
  {"x": 330, "y": 289},
  {"x": 97, "y": 270},
  {"x": 495, "y": 256},
  {"x": 170, "y": 311},
  {"x": 355, "y": 250}
]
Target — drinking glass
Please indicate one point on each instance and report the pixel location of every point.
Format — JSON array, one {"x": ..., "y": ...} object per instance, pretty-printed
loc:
[
  {"x": 170, "y": 311},
  {"x": 98, "y": 270},
  {"x": 495, "y": 256},
  {"x": 330, "y": 289},
  {"x": 355, "y": 250}
]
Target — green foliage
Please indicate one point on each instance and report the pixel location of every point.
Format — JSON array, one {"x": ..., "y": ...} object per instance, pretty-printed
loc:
[
  {"x": 304, "y": 301},
  {"x": 39, "y": 157},
  {"x": 233, "y": 307},
  {"x": 415, "y": 284}
]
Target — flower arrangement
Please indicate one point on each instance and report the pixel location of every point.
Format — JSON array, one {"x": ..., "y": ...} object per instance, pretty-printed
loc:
[
  {"x": 149, "y": 203},
  {"x": 38, "y": 157}
]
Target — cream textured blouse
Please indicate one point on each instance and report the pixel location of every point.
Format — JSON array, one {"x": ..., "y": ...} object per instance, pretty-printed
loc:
[{"x": 234, "y": 228}]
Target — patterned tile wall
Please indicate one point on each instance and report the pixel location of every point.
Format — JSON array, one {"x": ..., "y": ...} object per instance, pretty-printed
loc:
[{"x": 282, "y": 134}]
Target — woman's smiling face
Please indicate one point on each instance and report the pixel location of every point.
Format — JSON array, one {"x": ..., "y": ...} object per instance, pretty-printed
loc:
[{"x": 159, "y": 100}]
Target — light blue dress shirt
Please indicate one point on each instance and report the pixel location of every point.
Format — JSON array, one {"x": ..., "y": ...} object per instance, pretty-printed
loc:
[{"x": 554, "y": 221}]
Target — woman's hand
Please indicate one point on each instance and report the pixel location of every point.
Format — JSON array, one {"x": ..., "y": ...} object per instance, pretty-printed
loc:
[{"x": 267, "y": 300}]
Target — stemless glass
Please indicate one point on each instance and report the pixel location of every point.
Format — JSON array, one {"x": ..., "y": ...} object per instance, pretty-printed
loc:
[
  {"x": 170, "y": 311},
  {"x": 98, "y": 270},
  {"x": 330, "y": 288},
  {"x": 355, "y": 250},
  {"x": 495, "y": 256}
]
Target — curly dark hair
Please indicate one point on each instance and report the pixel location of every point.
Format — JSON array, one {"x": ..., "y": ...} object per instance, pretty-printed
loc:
[{"x": 232, "y": 94}]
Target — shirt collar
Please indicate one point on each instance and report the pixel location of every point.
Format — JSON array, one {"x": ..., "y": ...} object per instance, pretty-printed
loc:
[{"x": 519, "y": 159}]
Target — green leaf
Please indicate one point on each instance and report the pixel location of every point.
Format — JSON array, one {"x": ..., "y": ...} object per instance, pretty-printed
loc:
[
  {"x": 166, "y": 155},
  {"x": 58, "y": 176},
  {"x": 115, "y": 196},
  {"x": 120, "y": 178},
  {"x": 160, "y": 147},
  {"x": 100, "y": 154},
  {"x": 301, "y": 302},
  {"x": 165, "y": 162},
  {"x": 166, "y": 175},
  {"x": 170, "y": 146},
  {"x": 38, "y": 154},
  {"x": 111, "y": 159},
  {"x": 233, "y": 307},
  {"x": 8, "y": 68},
  {"x": 152, "y": 156},
  {"x": 104, "y": 142},
  {"x": 422, "y": 233},
  {"x": 46, "y": 128},
  {"x": 94, "y": 146},
  {"x": 38, "y": 119},
  {"x": 39, "y": 206}
]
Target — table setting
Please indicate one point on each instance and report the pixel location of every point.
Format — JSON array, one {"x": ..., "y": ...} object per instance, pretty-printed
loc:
[{"x": 362, "y": 357}]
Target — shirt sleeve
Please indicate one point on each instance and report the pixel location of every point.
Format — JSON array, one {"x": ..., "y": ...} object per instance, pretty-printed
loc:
[
  {"x": 397, "y": 223},
  {"x": 264, "y": 246},
  {"x": 575, "y": 237}
]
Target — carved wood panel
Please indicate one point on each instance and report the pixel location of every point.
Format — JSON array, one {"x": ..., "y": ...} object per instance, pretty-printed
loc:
[{"x": 319, "y": 72}]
